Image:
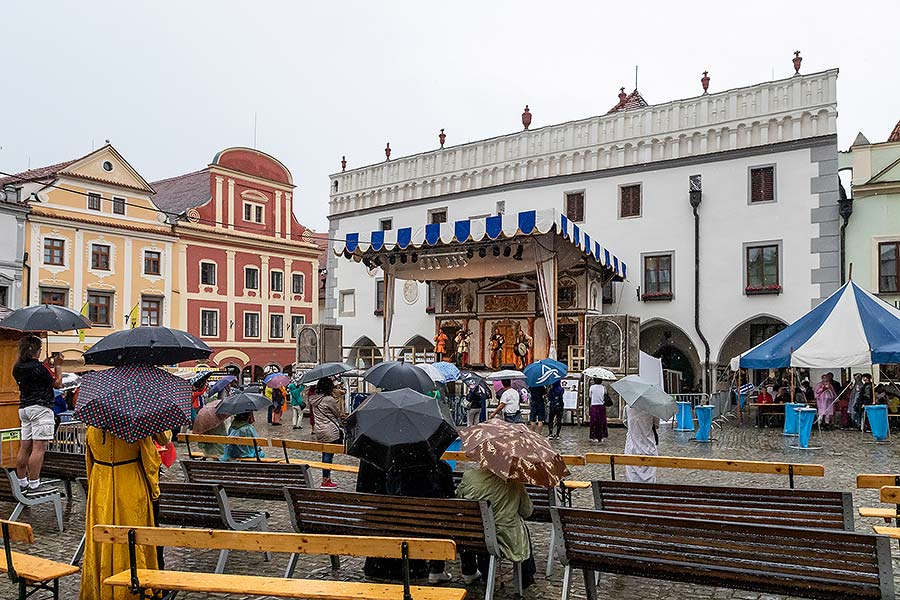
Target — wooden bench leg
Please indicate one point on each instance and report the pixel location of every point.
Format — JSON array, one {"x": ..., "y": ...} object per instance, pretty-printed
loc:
[
  {"x": 223, "y": 557},
  {"x": 292, "y": 565},
  {"x": 590, "y": 584},
  {"x": 79, "y": 552},
  {"x": 491, "y": 577},
  {"x": 264, "y": 526},
  {"x": 17, "y": 512},
  {"x": 57, "y": 505},
  {"x": 517, "y": 576},
  {"x": 550, "y": 551},
  {"x": 567, "y": 574}
]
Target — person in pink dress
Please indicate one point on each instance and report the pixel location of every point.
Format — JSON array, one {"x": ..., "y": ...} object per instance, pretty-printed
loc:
[{"x": 825, "y": 397}]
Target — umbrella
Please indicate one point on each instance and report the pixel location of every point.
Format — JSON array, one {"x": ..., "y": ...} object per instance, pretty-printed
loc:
[
  {"x": 242, "y": 402},
  {"x": 221, "y": 384},
  {"x": 134, "y": 401},
  {"x": 325, "y": 370},
  {"x": 45, "y": 317},
  {"x": 149, "y": 345},
  {"x": 432, "y": 372},
  {"x": 514, "y": 452},
  {"x": 396, "y": 375},
  {"x": 516, "y": 384},
  {"x": 599, "y": 373},
  {"x": 470, "y": 378},
  {"x": 70, "y": 381},
  {"x": 644, "y": 395},
  {"x": 506, "y": 374},
  {"x": 399, "y": 429},
  {"x": 448, "y": 370},
  {"x": 545, "y": 372},
  {"x": 200, "y": 378},
  {"x": 277, "y": 380},
  {"x": 207, "y": 417}
]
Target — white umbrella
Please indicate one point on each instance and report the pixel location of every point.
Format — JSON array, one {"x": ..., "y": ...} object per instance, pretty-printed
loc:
[
  {"x": 432, "y": 371},
  {"x": 506, "y": 374},
  {"x": 70, "y": 381},
  {"x": 644, "y": 395},
  {"x": 599, "y": 373}
]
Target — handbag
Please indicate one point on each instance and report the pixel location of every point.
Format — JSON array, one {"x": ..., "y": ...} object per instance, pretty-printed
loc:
[{"x": 607, "y": 401}]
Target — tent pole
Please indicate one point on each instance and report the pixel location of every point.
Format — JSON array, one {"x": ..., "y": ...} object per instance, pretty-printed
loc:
[
  {"x": 793, "y": 385},
  {"x": 740, "y": 412}
]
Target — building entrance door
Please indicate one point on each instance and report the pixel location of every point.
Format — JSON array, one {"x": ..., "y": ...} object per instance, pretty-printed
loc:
[{"x": 508, "y": 331}]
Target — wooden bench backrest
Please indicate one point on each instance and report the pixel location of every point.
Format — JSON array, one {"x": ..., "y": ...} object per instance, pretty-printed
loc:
[
  {"x": 18, "y": 532},
  {"x": 467, "y": 522},
  {"x": 709, "y": 464},
  {"x": 876, "y": 481},
  {"x": 6, "y": 491},
  {"x": 890, "y": 494},
  {"x": 195, "y": 438},
  {"x": 793, "y": 508},
  {"x": 263, "y": 481},
  {"x": 252, "y": 541},
  {"x": 189, "y": 504},
  {"x": 63, "y": 465},
  {"x": 541, "y": 499},
  {"x": 819, "y": 563},
  {"x": 307, "y": 446},
  {"x": 458, "y": 456}
]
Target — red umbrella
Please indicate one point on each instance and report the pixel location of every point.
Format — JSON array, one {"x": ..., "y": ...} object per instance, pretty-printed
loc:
[{"x": 207, "y": 418}]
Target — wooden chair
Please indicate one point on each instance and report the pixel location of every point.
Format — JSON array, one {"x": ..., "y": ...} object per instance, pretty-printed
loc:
[
  {"x": 878, "y": 481},
  {"x": 26, "y": 571},
  {"x": 11, "y": 491},
  {"x": 139, "y": 581}
]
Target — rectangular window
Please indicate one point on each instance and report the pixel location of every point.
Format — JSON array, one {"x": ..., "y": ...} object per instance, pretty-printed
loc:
[
  {"x": 347, "y": 304},
  {"x": 630, "y": 200},
  {"x": 248, "y": 212},
  {"x": 251, "y": 325},
  {"x": 258, "y": 214},
  {"x": 762, "y": 184},
  {"x": 93, "y": 201},
  {"x": 889, "y": 268},
  {"x": 437, "y": 216},
  {"x": 55, "y": 297},
  {"x": 297, "y": 283},
  {"x": 209, "y": 323},
  {"x": 151, "y": 311},
  {"x": 54, "y": 251},
  {"x": 207, "y": 273},
  {"x": 297, "y": 321},
  {"x": 100, "y": 308},
  {"x": 431, "y": 293},
  {"x": 251, "y": 278},
  {"x": 276, "y": 326},
  {"x": 501, "y": 207},
  {"x": 379, "y": 297},
  {"x": 152, "y": 260},
  {"x": 762, "y": 269},
  {"x": 253, "y": 212},
  {"x": 386, "y": 224},
  {"x": 100, "y": 257},
  {"x": 657, "y": 277},
  {"x": 609, "y": 293},
  {"x": 119, "y": 206},
  {"x": 575, "y": 206},
  {"x": 276, "y": 281},
  {"x": 4, "y": 295}
]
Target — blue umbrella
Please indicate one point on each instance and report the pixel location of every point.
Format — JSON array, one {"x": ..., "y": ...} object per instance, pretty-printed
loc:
[
  {"x": 448, "y": 370},
  {"x": 545, "y": 372},
  {"x": 221, "y": 384}
]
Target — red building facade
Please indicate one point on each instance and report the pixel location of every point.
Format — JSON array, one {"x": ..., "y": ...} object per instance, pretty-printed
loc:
[{"x": 250, "y": 268}]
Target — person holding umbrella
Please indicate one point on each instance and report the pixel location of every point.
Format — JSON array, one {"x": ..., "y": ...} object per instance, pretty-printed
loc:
[
  {"x": 508, "y": 405},
  {"x": 598, "y": 425},
  {"x": 36, "y": 381},
  {"x": 327, "y": 428},
  {"x": 242, "y": 406},
  {"x": 295, "y": 393}
]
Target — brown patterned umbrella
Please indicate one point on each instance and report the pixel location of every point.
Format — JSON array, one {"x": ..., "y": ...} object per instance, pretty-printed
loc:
[{"x": 513, "y": 452}]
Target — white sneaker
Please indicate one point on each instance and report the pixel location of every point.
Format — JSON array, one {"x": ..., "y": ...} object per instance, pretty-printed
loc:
[{"x": 439, "y": 577}]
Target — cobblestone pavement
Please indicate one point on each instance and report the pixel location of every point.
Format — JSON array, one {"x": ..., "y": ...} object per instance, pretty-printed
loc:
[{"x": 844, "y": 454}]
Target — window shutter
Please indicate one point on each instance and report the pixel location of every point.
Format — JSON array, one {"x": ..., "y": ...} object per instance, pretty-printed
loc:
[
  {"x": 762, "y": 184},
  {"x": 575, "y": 206},
  {"x": 630, "y": 201}
]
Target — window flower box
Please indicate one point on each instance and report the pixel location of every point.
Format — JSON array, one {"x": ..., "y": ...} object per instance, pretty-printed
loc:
[
  {"x": 429, "y": 310},
  {"x": 758, "y": 290},
  {"x": 656, "y": 296},
  {"x": 379, "y": 312}
]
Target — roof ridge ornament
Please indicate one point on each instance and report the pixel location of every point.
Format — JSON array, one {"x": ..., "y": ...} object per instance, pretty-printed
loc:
[
  {"x": 442, "y": 137},
  {"x": 704, "y": 81},
  {"x": 387, "y": 151},
  {"x": 797, "y": 60},
  {"x": 526, "y": 118}
]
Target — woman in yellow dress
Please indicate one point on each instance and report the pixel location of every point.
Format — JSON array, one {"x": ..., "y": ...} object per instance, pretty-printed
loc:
[{"x": 123, "y": 483}]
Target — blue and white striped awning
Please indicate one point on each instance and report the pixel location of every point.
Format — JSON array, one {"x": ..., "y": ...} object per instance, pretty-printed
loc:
[{"x": 499, "y": 227}]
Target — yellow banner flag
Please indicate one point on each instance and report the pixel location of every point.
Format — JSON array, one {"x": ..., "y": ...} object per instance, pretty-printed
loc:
[
  {"x": 84, "y": 311},
  {"x": 134, "y": 316}
]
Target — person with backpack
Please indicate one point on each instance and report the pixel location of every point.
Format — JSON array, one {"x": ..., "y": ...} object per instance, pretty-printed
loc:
[{"x": 556, "y": 406}]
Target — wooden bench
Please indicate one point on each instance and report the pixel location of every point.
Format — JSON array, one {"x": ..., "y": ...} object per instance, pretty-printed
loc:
[
  {"x": 64, "y": 466},
  {"x": 812, "y": 563},
  {"x": 791, "y": 508},
  {"x": 572, "y": 460},
  {"x": 140, "y": 580},
  {"x": 27, "y": 571},
  {"x": 878, "y": 481},
  {"x": 260, "y": 481},
  {"x": 254, "y": 443},
  {"x": 469, "y": 523},
  {"x": 707, "y": 464},
  {"x": 286, "y": 445},
  {"x": 10, "y": 491}
]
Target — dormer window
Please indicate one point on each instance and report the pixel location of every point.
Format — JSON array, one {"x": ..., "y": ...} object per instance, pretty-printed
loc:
[{"x": 253, "y": 212}]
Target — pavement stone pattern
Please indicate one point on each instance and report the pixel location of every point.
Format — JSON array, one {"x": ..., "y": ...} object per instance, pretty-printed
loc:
[{"x": 844, "y": 454}]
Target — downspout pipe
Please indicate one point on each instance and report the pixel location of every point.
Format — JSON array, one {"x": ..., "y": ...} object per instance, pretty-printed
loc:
[
  {"x": 845, "y": 209},
  {"x": 696, "y": 197}
]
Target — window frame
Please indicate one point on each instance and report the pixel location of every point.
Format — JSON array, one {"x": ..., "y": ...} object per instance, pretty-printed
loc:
[
  {"x": 91, "y": 196},
  {"x": 342, "y": 309},
  {"x": 53, "y": 290},
  {"x": 255, "y": 209},
  {"x": 296, "y": 326},
  {"x": 272, "y": 317},
  {"x": 379, "y": 296},
  {"x": 248, "y": 313},
  {"x": 62, "y": 252},
  {"x": 750, "y": 169},
  {"x": 214, "y": 311},
  {"x": 4, "y": 296},
  {"x": 565, "y": 208},
  {"x": 117, "y": 202},
  {"x": 96, "y": 255},
  {"x": 158, "y": 300},
  {"x": 280, "y": 274},
  {"x": 620, "y": 188},
  {"x": 657, "y": 295},
  {"x": 215, "y": 272},
  {"x": 110, "y": 296},
  {"x": 158, "y": 254},
  {"x": 251, "y": 268},
  {"x": 765, "y": 288},
  {"x": 302, "y": 277},
  {"x": 896, "y": 275},
  {"x": 386, "y": 224},
  {"x": 436, "y": 211}
]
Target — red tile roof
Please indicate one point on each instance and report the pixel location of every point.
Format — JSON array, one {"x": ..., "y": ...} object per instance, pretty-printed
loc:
[
  {"x": 321, "y": 240},
  {"x": 40, "y": 174},
  {"x": 895, "y": 134},
  {"x": 631, "y": 101}
]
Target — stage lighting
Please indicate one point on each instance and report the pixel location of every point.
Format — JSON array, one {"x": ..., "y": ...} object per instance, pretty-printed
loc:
[
  {"x": 507, "y": 250},
  {"x": 392, "y": 259},
  {"x": 519, "y": 251},
  {"x": 403, "y": 259},
  {"x": 496, "y": 251},
  {"x": 415, "y": 257},
  {"x": 469, "y": 253},
  {"x": 482, "y": 252}
]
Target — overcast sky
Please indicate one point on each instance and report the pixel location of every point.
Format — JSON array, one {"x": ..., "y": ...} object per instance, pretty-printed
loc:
[{"x": 171, "y": 83}]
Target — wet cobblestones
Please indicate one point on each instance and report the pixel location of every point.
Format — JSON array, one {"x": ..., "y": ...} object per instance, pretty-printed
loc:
[{"x": 844, "y": 454}]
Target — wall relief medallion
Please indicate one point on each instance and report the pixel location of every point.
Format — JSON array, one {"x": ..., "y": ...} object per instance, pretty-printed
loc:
[
  {"x": 410, "y": 291},
  {"x": 506, "y": 303}
]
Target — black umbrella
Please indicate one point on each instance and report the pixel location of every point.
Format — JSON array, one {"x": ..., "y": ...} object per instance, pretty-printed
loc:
[
  {"x": 237, "y": 404},
  {"x": 325, "y": 370},
  {"x": 396, "y": 375},
  {"x": 400, "y": 429},
  {"x": 147, "y": 345},
  {"x": 45, "y": 317},
  {"x": 470, "y": 378}
]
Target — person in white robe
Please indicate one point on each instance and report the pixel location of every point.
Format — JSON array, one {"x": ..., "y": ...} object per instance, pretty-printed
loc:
[{"x": 640, "y": 439}]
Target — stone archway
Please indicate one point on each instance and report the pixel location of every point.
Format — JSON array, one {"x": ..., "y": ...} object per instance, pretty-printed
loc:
[
  {"x": 364, "y": 353},
  {"x": 664, "y": 340},
  {"x": 746, "y": 335}
]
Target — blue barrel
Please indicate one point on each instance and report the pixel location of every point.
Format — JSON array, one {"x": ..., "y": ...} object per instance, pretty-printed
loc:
[
  {"x": 704, "y": 422},
  {"x": 455, "y": 446},
  {"x": 792, "y": 418},
  {"x": 877, "y": 416},
  {"x": 807, "y": 418},
  {"x": 685, "y": 420}
]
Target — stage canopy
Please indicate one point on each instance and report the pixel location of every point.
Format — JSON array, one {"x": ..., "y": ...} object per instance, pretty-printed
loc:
[
  {"x": 542, "y": 242},
  {"x": 851, "y": 328}
]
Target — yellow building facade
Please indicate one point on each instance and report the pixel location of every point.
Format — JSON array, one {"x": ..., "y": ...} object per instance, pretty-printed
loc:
[{"x": 96, "y": 243}]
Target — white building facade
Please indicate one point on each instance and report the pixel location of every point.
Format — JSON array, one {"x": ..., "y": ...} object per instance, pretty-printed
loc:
[
  {"x": 12, "y": 250},
  {"x": 768, "y": 219}
]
